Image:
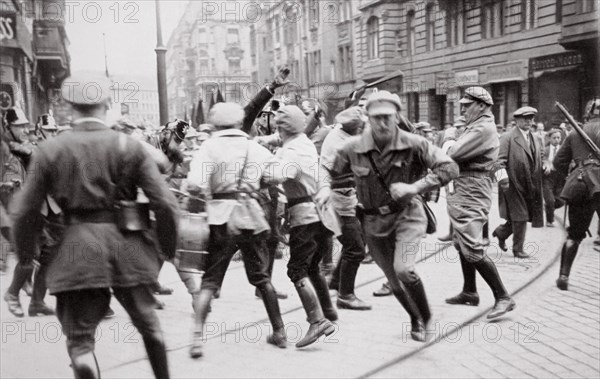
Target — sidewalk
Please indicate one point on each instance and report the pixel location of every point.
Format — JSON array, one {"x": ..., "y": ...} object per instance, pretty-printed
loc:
[{"x": 364, "y": 342}]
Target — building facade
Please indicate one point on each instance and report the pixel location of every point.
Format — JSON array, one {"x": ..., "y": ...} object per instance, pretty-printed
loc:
[
  {"x": 208, "y": 51},
  {"x": 525, "y": 52},
  {"x": 135, "y": 97},
  {"x": 34, "y": 59}
]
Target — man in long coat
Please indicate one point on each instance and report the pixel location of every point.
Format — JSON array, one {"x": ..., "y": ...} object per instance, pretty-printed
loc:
[
  {"x": 88, "y": 172},
  {"x": 520, "y": 181}
]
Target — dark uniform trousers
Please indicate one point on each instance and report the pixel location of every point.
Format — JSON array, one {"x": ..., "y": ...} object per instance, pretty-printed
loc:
[
  {"x": 580, "y": 218},
  {"x": 221, "y": 248},
  {"x": 308, "y": 244}
]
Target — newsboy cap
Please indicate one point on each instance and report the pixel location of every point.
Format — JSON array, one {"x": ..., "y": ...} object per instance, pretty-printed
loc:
[
  {"x": 525, "y": 111},
  {"x": 86, "y": 89},
  {"x": 350, "y": 116},
  {"x": 383, "y": 102},
  {"x": 291, "y": 119},
  {"x": 476, "y": 94},
  {"x": 226, "y": 114}
]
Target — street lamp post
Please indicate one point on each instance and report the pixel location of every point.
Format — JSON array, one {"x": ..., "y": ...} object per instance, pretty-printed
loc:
[{"x": 163, "y": 102}]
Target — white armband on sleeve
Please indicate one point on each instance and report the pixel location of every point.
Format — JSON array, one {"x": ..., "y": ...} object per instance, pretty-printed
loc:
[{"x": 501, "y": 174}]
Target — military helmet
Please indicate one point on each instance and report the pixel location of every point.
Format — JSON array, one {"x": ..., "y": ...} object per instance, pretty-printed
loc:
[{"x": 592, "y": 109}]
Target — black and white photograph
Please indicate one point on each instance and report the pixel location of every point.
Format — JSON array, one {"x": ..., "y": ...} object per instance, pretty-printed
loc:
[{"x": 299, "y": 189}]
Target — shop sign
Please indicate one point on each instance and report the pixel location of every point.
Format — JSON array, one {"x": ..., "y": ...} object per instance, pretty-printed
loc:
[
  {"x": 8, "y": 29},
  {"x": 466, "y": 77},
  {"x": 506, "y": 72},
  {"x": 569, "y": 58}
]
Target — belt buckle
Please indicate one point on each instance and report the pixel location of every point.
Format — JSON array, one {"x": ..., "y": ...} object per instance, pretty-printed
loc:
[{"x": 384, "y": 210}]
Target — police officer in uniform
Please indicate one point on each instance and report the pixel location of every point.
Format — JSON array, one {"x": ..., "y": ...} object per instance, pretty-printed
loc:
[
  {"x": 91, "y": 257},
  {"x": 476, "y": 152},
  {"x": 582, "y": 188},
  {"x": 388, "y": 165}
]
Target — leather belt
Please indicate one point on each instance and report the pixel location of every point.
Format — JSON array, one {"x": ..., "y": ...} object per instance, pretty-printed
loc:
[
  {"x": 227, "y": 195},
  {"x": 102, "y": 216},
  {"x": 299, "y": 200},
  {"x": 384, "y": 209},
  {"x": 473, "y": 173}
]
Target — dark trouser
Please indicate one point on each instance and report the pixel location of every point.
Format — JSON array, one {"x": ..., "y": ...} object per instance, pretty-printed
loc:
[
  {"x": 518, "y": 229},
  {"x": 39, "y": 282},
  {"x": 353, "y": 247},
  {"x": 580, "y": 218},
  {"x": 308, "y": 244},
  {"x": 80, "y": 312},
  {"x": 221, "y": 248},
  {"x": 552, "y": 198}
]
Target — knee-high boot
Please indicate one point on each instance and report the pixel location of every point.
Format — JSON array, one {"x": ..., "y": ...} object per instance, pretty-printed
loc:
[
  {"x": 488, "y": 271},
  {"x": 319, "y": 325},
  {"x": 85, "y": 366},
  {"x": 202, "y": 303},
  {"x": 346, "y": 298},
  {"x": 469, "y": 294},
  {"x": 269, "y": 297},
  {"x": 320, "y": 284},
  {"x": 417, "y": 293},
  {"x": 157, "y": 354},
  {"x": 417, "y": 330},
  {"x": 37, "y": 305},
  {"x": 567, "y": 257},
  {"x": 20, "y": 275}
]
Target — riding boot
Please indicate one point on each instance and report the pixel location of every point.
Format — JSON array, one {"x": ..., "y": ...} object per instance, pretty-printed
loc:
[
  {"x": 269, "y": 297},
  {"x": 202, "y": 307},
  {"x": 85, "y": 366},
  {"x": 20, "y": 276},
  {"x": 346, "y": 298},
  {"x": 567, "y": 257},
  {"x": 37, "y": 305},
  {"x": 417, "y": 331},
  {"x": 489, "y": 273},
  {"x": 319, "y": 325},
  {"x": 469, "y": 295},
  {"x": 322, "y": 290}
]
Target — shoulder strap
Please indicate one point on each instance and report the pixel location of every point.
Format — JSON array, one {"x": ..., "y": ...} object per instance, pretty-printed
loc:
[
  {"x": 378, "y": 173},
  {"x": 239, "y": 183}
]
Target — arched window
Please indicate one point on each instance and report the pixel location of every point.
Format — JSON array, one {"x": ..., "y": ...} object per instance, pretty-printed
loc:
[
  {"x": 373, "y": 38},
  {"x": 410, "y": 32}
]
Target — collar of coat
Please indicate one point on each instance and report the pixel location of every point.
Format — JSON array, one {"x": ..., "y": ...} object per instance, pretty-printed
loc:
[
  {"x": 229, "y": 133},
  {"x": 88, "y": 123}
]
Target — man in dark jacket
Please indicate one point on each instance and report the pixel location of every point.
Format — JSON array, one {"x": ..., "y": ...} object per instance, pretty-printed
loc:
[
  {"x": 520, "y": 180},
  {"x": 88, "y": 172}
]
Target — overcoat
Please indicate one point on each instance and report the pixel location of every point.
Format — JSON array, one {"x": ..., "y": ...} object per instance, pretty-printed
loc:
[{"x": 524, "y": 199}]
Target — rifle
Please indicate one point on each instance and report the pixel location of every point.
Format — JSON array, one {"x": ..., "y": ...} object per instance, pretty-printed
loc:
[{"x": 595, "y": 150}]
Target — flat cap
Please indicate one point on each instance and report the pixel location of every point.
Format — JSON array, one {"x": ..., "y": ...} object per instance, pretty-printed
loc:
[
  {"x": 350, "y": 116},
  {"x": 383, "y": 102},
  {"x": 226, "y": 114},
  {"x": 86, "y": 89},
  {"x": 291, "y": 119},
  {"x": 476, "y": 94},
  {"x": 525, "y": 111}
]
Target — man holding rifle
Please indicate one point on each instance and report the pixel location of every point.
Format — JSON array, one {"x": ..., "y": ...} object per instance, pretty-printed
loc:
[{"x": 582, "y": 187}]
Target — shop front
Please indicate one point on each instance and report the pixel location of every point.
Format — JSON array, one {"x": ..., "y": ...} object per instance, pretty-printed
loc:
[
  {"x": 557, "y": 77},
  {"x": 505, "y": 81}
]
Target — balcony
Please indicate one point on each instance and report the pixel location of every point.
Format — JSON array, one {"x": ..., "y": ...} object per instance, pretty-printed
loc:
[{"x": 49, "y": 49}]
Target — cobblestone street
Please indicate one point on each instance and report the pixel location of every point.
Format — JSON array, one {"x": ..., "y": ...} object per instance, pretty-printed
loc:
[{"x": 551, "y": 333}]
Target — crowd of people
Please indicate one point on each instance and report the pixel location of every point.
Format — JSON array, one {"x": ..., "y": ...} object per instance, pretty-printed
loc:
[{"x": 267, "y": 173}]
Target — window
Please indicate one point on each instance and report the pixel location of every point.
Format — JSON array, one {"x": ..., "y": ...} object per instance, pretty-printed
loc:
[
  {"x": 558, "y": 11},
  {"x": 252, "y": 41},
  {"x": 455, "y": 25},
  {"x": 410, "y": 32},
  {"x": 528, "y": 14},
  {"x": 492, "y": 19},
  {"x": 234, "y": 66},
  {"x": 413, "y": 106},
  {"x": 202, "y": 36},
  {"x": 345, "y": 62},
  {"x": 430, "y": 26},
  {"x": 277, "y": 29},
  {"x": 586, "y": 6},
  {"x": 372, "y": 38},
  {"x": 233, "y": 36},
  {"x": 345, "y": 8}
]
